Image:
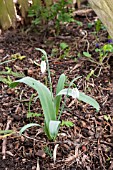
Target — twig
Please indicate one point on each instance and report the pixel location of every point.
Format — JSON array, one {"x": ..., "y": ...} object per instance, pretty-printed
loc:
[
  {"x": 106, "y": 143},
  {"x": 80, "y": 12},
  {"x": 101, "y": 157},
  {"x": 5, "y": 140}
]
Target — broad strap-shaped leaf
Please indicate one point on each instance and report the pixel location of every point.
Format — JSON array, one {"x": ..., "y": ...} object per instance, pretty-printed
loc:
[
  {"x": 80, "y": 96},
  {"x": 28, "y": 126},
  {"x": 59, "y": 87},
  {"x": 87, "y": 99},
  {"x": 44, "y": 96},
  {"x": 53, "y": 128},
  {"x": 70, "y": 92}
]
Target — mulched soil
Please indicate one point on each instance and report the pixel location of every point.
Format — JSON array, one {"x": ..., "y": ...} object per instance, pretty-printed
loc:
[{"x": 89, "y": 143}]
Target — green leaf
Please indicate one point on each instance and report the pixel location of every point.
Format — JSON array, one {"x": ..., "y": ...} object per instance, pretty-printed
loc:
[
  {"x": 53, "y": 128},
  {"x": 6, "y": 131},
  {"x": 5, "y": 80},
  {"x": 32, "y": 114},
  {"x": 67, "y": 123},
  {"x": 28, "y": 126},
  {"x": 87, "y": 99},
  {"x": 87, "y": 54},
  {"x": 98, "y": 50},
  {"x": 63, "y": 45},
  {"x": 44, "y": 96},
  {"x": 107, "y": 48},
  {"x": 59, "y": 87}
]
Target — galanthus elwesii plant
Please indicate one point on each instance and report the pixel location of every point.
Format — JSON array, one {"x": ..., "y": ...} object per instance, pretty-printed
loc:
[{"x": 50, "y": 103}]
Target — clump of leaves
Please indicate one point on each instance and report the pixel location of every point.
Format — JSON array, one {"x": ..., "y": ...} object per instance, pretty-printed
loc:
[
  {"x": 104, "y": 51},
  {"x": 57, "y": 13},
  {"x": 50, "y": 103}
]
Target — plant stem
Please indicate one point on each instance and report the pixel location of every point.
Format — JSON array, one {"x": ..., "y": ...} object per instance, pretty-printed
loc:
[
  {"x": 49, "y": 75},
  {"x": 62, "y": 108},
  {"x": 29, "y": 105}
]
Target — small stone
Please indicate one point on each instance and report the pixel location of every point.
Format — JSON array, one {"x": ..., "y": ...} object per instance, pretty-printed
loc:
[{"x": 1, "y": 51}]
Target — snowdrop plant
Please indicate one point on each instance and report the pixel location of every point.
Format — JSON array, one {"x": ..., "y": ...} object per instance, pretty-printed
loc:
[{"x": 50, "y": 103}]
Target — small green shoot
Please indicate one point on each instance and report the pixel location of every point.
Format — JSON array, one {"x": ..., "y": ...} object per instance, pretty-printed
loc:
[
  {"x": 63, "y": 46},
  {"x": 89, "y": 75},
  {"x": 10, "y": 72},
  {"x": 98, "y": 25},
  {"x": 64, "y": 50},
  {"x": 87, "y": 54},
  {"x": 48, "y": 151},
  {"x": 67, "y": 123},
  {"x": 7, "y": 80},
  {"x": 32, "y": 114},
  {"x": 104, "y": 52}
]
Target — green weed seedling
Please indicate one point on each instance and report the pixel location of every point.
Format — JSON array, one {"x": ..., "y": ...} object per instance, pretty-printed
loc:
[
  {"x": 7, "y": 80},
  {"x": 104, "y": 52},
  {"x": 52, "y": 109},
  {"x": 32, "y": 114},
  {"x": 67, "y": 123},
  {"x": 87, "y": 54},
  {"x": 9, "y": 72},
  {"x": 89, "y": 75},
  {"x": 64, "y": 50},
  {"x": 54, "y": 52},
  {"x": 48, "y": 151}
]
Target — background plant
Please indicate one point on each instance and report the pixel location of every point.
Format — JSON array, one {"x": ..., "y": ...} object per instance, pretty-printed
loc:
[
  {"x": 57, "y": 13},
  {"x": 51, "y": 104},
  {"x": 104, "y": 52}
]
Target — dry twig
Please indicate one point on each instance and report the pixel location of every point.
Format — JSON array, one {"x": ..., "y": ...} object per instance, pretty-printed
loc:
[{"x": 5, "y": 140}]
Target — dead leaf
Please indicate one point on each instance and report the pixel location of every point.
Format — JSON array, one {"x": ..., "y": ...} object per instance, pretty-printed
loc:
[
  {"x": 41, "y": 154},
  {"x": 55, "y": 152},
  {"x": 1, "y": 51}
]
